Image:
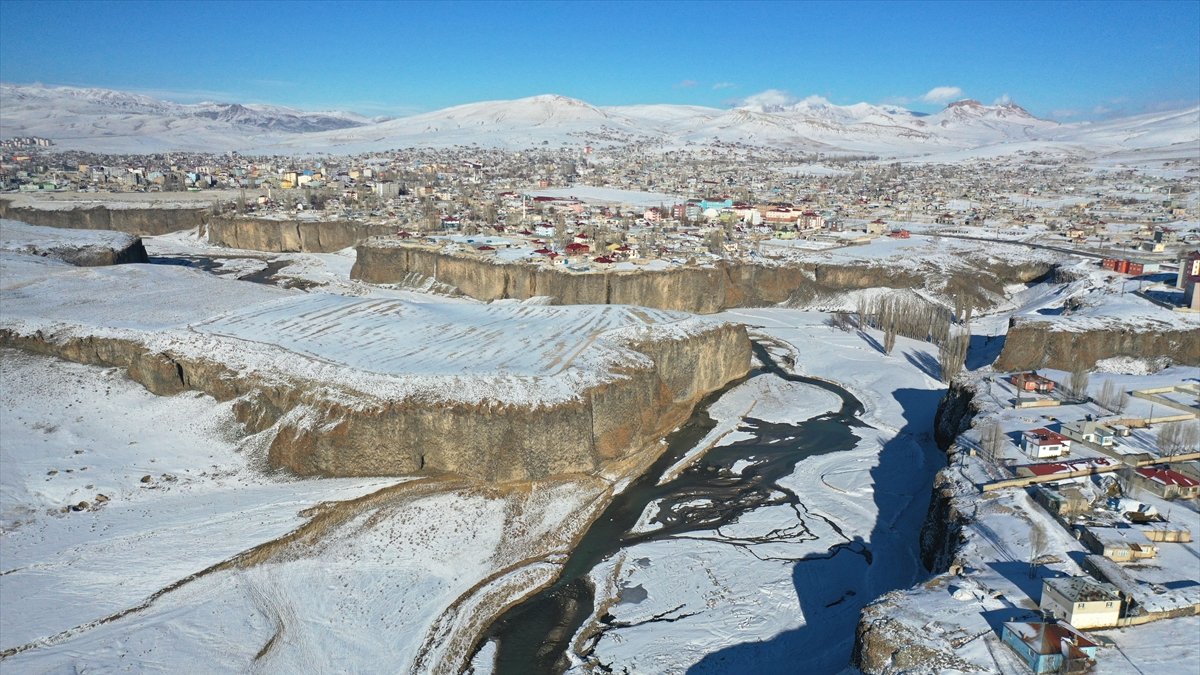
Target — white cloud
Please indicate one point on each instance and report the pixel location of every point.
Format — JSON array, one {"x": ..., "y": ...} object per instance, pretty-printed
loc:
[
  {"x": 723, "y": 85},
  {"x": 686, "y": 84},
  {"x": 767, "y": 100},
  {"x": 942, "y": 94},
  {"x": 1003, "y": 99}
]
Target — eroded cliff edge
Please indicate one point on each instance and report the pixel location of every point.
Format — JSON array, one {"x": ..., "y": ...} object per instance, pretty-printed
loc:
[
  {"x": 288, "y": 235},
  {"x": 1033, "y": 344},
  {"x": 328, "y": 433},
  {"x": 698, "y": 289},
  {"x": 142, "y": 221},
  {"x": 584, "y": 389}
]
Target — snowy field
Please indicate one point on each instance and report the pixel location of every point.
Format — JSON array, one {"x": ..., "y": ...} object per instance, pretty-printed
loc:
[
  {"x": 166, "y": 486},
  {"x": 23, "y": 238}
]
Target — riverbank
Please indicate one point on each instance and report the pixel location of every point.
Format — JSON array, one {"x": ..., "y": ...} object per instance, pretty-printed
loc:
[{"x": 761, "y": 551}]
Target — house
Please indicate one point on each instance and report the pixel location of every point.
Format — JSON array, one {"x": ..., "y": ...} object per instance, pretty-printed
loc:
[
  {"x": 1042, "y": 443},
  {"x": 1090, "y": 431},
  {"x": 1119, "y": 544},
  {"x": 1065, "y": 502},
  {"x": 1167, "y": 483},
  {"x": 899, "y": 234},
  {"x": 876, "y": 226},
  {"x": 1082, "y": 602},
  {"x": 1050, "y": 647},
  {"x": 1032, "y": 382}
]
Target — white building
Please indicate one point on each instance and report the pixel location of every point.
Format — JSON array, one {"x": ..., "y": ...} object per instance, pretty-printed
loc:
[
  {"x": 1042, "y": 444},
  {"x": 1082, "y": 602}
]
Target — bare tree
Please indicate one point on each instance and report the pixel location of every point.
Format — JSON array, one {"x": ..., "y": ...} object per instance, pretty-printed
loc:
[
  {"x": 1077, "y": 385},
  {"x": 991, "y": 439},
  {"x": 889, "y": 337},
  {"x": 1037, "y": 544},
  {"x": 842, "y": 321},
  {"x": 1178, "y": 437},
  {"x": 952, "y": 354},
  {"x": 1113, "y": 397}
]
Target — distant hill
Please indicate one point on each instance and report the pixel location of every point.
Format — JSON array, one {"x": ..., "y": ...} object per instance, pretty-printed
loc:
[{"x": 111, "y": 121}]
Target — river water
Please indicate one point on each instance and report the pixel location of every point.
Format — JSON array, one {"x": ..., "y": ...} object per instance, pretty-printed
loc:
[{"x": 534, "y": 636}]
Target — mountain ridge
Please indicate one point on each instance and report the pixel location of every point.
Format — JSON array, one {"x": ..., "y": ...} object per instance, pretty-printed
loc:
[{"x": 114, "y": 121}]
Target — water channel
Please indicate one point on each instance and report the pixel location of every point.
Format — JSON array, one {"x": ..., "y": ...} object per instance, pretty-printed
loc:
[{"x": 534, "y": 636}]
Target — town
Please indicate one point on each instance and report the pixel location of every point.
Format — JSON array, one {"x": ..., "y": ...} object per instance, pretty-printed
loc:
[{"x": 1075, "y": 487}]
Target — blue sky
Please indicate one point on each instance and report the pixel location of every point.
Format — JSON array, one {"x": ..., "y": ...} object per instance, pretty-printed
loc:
[{"x": 1074, "y": 60}]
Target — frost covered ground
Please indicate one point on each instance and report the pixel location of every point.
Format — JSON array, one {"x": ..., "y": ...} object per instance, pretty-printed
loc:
[
  {"x": 162, "y": 488},
  {"x": 317, "y": 580},
  {"x": 20, "y": 237},
  {"x": 701, "y": 603}
]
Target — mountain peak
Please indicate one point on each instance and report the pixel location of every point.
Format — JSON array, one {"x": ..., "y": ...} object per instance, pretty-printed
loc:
[{"x": 965, "y": 104}]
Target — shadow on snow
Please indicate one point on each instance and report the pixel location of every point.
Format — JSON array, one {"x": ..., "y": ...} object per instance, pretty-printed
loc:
[{"x": 833, "y": 587}]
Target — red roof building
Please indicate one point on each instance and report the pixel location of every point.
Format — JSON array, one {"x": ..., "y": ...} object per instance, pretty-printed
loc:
[
  {"x": 1042, "y": 443},
  {"x": 1167, "y": 483}
]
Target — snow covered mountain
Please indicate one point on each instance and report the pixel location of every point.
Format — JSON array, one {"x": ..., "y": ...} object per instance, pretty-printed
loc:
[{"x": 113, "y": 121}]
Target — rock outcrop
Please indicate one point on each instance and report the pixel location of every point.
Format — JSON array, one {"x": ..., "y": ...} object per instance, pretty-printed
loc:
[
  {"x": 143, "y": 221},
  {"x": 884, "y": 645},
  {"x": 287, "y": 236},
  {"x": 1033, "y": 344},
  {"x": 321, "y": 430},
  {"x": 699, "y": 289}
]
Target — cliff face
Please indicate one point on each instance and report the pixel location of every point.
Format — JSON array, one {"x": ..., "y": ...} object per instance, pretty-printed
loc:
[
  {"x": 332, "y": 434},
  {"x": 289, "y": 236},
  {"x": 702, "y": 290},
  {"x": 130, "y": 250},
  {"x": 883, "y": 644},
  {"x": 1035, "y": 344},
  {"x": 138, "y": 221}
]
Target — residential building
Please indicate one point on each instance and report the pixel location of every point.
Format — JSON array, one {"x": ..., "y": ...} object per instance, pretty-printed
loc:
[
  {"x": 1050, "y": 647},
  {"x": 1065, "y": 502},
  {"x": 1119, "y": 544},
  {"x": 1042, "y": 443},
  {"x": 1167, "y": 483},
  {"x": 1082, "y": 602},
  {"x": 1032, "y": 382},
  {"x": 1090, "y": 431}
]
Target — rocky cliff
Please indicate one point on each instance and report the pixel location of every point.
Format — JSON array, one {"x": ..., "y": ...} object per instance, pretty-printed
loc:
[
  {"x": 322, "y": 431},
  {"x": 285, "y": 236},
  {"x": 702, "y": 290},
  {"x": 83, "y": 249},
  {"x": 883, "y": 644},
  {"x": 1033, "y": 344},
  {"x": 134, "y": 220}
]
